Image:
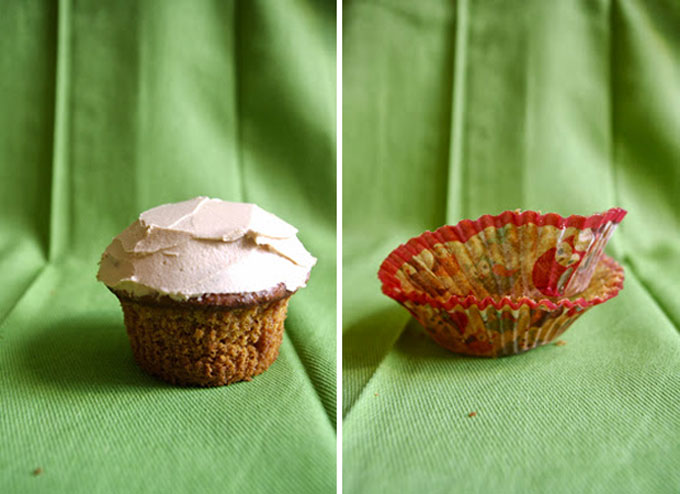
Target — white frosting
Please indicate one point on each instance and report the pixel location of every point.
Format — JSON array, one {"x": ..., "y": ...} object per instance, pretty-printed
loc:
[{"x": 203, "y": 245}]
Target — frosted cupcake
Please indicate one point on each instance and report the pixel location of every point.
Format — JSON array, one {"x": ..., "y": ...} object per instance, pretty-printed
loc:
[{"x": 204, "y": 285}]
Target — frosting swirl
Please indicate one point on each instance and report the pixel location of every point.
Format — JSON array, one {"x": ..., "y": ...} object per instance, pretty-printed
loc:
[{"x": 200, "y": 246}]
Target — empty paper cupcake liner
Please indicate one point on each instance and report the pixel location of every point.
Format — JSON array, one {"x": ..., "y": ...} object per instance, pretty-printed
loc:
[{"x": 504, "y": 284}]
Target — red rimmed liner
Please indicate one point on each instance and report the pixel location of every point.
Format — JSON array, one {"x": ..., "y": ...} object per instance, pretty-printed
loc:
[
  {"x": 393, "y": 290},
  {"x": 465, "y": 229}
]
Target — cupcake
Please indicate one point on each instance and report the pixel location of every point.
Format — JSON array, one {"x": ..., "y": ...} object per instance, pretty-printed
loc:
[
  {"x": 501, "y": 285},
  {"x": 204, "y": 285}
]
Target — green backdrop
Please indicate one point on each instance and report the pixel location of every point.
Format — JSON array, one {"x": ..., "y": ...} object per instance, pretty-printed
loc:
[
  {"x": 453, "y": 109},
  {"x": 108, "y": 109}
]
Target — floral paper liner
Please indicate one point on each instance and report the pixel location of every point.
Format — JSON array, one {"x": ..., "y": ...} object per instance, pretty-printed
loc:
[
  {"x": 513, "y": 254},
  {"x": 612, "y": 290}
]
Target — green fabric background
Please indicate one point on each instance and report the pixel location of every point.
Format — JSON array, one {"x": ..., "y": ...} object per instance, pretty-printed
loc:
[
  {"x": 107, "y": 109},
  {"x": 453, "y": 109}
]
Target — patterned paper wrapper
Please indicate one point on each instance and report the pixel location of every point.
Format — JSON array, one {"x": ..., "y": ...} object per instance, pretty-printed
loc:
[
  {"x": 495, "y": 328},
  {"x": 514, "y": 254},
  {"x": 504, "y": 284}
]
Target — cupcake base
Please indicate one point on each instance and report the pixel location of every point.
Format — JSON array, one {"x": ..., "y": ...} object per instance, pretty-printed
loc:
[{"x": 204, "y": 345}]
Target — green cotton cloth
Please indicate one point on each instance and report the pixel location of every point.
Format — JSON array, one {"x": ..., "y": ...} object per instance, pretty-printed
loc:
[
  {"x": 111, "y": 108},
  {"x": 454, "y": 109}
]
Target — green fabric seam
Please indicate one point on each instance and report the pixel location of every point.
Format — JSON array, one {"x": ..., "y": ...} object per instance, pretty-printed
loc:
[
  {"x": 628, "y": 264},
  {"x": 621, "y": 250},
  {"x": 58, "y": 197},
  {"x": 612, "y": 115},
  {"x": 457, "y": 169},
  {"x": 237, "y": 104},
  {"x": 30, "y": 285},
  {"x": 377, "y": 367},
  {"x": 330, "y": 414}
]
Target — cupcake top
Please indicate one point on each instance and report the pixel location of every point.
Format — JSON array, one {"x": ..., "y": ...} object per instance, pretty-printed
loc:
[{"x": 205, "y": 246}]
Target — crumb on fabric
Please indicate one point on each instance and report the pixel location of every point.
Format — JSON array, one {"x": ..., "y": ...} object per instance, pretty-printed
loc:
[
  {"x": 472, "y": 414},
  {"x": 37, "y": 471},
  {"x": 560, "y": 343}
]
